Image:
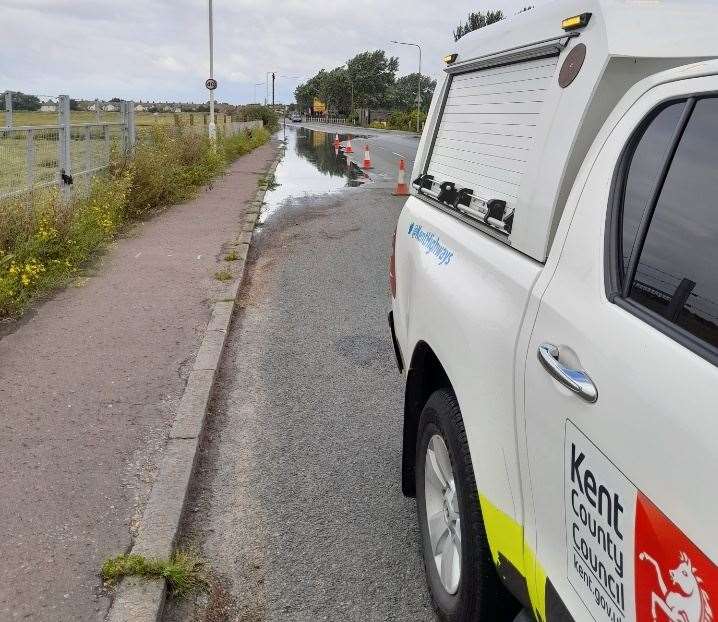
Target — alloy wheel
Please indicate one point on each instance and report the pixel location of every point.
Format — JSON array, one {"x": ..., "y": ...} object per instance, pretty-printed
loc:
[{"x": 442, "y": 513}]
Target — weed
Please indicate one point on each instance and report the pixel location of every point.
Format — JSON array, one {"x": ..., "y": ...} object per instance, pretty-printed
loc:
[
  {"x": 231, "y": 256},
  {"x": 44, "y": 240},
  {"x": 243, "y": 142},
  {"x": 184, "y": 571},
  {"x": 223, "y": 275},
  {"x": 268, "y": 182}
]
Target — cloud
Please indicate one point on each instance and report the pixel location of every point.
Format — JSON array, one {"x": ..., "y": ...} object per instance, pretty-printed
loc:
[{"x": 158, "y": 50}]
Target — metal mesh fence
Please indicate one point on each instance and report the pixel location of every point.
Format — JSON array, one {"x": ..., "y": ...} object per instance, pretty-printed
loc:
[
  {"x": 52, "y": 141},
  {"x": 30, "y": 156},
  {"x": 46, "y": 147}
]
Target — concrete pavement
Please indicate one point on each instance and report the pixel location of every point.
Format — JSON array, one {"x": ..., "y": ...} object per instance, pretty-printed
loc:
[{"x": 88, "y": 386}]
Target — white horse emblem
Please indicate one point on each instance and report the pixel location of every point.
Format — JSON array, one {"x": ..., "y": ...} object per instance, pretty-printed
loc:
[{"x": 690, "y": 602}]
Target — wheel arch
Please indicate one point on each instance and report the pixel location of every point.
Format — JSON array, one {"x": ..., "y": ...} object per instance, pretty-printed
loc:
[{"x": 425, "y": 375}]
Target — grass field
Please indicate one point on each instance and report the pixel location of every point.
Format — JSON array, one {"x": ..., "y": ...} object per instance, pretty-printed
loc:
[{"x": 23, "y": 118}]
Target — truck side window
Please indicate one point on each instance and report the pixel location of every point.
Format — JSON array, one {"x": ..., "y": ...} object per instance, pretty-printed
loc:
[
  {"x": 677, "y": 272},
  {"x": 641, "y": 177}
]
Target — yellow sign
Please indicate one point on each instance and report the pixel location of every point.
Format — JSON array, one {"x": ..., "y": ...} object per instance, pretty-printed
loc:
[{"x": 319, "y": 106}]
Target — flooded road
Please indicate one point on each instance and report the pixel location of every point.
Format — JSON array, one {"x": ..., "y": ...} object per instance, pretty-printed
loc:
[
  {"x": 297, "y": 505},
  {"x": 311, "y": 165}
]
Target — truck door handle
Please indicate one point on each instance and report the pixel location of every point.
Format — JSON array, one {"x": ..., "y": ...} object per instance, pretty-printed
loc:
[{"x": 576, "y": 380}]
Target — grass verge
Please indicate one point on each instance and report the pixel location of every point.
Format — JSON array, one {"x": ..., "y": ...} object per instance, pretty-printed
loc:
[
  {"x": 184, "y": 571},
  {"x": 45, "y": 240}
]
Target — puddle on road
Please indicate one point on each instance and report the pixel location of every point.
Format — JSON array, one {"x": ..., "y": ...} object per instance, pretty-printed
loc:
[{"x": 311, "y": 165}]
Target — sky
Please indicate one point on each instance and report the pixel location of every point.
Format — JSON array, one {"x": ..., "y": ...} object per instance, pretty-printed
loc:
[{"x": 157, "y": 50}]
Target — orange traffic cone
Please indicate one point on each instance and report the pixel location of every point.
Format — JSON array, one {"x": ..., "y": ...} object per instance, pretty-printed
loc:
[
  {"x": 402, "y": 189},
  {"x": 336, "y": 140},
  {"x": 367, "y": 159},
  {"x": 348, "y": 148}
]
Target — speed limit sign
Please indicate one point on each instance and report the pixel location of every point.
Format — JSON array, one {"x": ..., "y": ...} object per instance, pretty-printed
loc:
[{"x": 211, "y": 84}]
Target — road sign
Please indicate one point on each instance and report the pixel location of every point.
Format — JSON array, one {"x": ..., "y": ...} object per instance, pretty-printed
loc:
[
  {"x": 211, "y": 84},
  {"x": 319, "y": 106}
]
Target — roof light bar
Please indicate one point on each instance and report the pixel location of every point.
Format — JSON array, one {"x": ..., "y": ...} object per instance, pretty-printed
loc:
[{"x": 576, "y": 22}]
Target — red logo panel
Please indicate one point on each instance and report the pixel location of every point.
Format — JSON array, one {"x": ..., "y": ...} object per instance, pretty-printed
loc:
[{"x": 675, "y": 581}]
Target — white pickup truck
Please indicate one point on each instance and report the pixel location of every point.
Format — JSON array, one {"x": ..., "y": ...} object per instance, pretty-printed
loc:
[{"x": 555, "y": 315}]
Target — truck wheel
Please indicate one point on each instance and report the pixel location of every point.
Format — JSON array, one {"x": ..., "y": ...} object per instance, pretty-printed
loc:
[{"x": 459, "y": 569}]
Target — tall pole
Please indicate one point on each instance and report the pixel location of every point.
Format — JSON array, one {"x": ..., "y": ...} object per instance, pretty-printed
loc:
[
  {"x": 418, "y": 93},
  {"x": 212, "y": 128},
  {"x": 273, "y": 77}
]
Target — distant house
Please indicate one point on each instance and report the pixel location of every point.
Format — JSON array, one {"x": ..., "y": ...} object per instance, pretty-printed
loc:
[
  {"x": 48, "y": 108},
  {"x": 109, "y": 108},
  {"x": 177, "y": 110},
  {"x": 167, "y": 109},
  {"x": 92, "y": 107},
  {"x": 140, "y": 108}
]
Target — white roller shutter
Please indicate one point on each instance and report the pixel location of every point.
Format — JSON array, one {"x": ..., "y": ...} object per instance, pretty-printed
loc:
[{"x": 488, "y": 127}]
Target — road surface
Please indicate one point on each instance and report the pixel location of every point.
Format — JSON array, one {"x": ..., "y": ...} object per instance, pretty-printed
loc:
[{"x": 297, "y": 504}]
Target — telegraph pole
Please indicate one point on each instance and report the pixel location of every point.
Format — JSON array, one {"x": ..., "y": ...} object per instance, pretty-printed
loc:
[{"x": 273, "y": 77}]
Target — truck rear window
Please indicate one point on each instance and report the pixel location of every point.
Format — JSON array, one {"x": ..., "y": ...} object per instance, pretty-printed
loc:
[{"x": 485, "y": 133}]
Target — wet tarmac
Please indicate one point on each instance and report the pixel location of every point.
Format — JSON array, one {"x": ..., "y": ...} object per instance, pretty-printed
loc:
[{"x": 312, "y": 165}]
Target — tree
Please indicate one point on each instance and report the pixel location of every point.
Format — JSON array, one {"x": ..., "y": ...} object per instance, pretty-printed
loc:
[
  {"x": 335, "y": 89},
  {"x": 74, "y": 104},
  {"x": 478, "y": 20},
  {"x": 372, "y": 73},
  {"x": 402, "y": 94},
  {"x": 306, "y": 92},
  {"x": 20, "y": 101},
  {"x": 252, "y": 112}
]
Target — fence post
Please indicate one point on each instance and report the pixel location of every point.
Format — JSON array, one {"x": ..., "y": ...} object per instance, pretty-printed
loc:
[
  {"x": 123, "y": 126},
  {"x": 131, "y": 131},
  {"x": 88, "y": 153},
  {"x": 63, "y": 134},
  {"x": 97, "y": 110},
  {"x": 30, "y": 158},
  {"x": 106, "y": 137},
  {"x": 8, "y": 108}
]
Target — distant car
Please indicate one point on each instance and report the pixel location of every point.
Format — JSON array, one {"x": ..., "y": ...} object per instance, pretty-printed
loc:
[{"x": 296, "y": 118}]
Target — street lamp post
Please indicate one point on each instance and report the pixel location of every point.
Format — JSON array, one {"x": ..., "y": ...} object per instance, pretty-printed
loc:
[
  {"x": 212, "y": 128},
  {"x": 418, "y": 93},
  {"x": 255, "y": 91},
  {"x": 279, "y": 75}
]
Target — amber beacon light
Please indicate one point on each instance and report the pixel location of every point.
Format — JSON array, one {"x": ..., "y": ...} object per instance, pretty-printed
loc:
[
  {"x": 450, "y": 58},
  {"x": 576, "y": 22}
]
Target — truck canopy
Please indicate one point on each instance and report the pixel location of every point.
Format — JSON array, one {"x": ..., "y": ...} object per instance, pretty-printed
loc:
[{"x": 505, "y": 131}]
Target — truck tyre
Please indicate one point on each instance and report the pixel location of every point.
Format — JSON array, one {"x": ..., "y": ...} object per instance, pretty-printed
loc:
[{"x": 460, "y": 572}]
